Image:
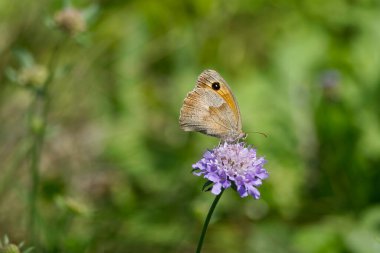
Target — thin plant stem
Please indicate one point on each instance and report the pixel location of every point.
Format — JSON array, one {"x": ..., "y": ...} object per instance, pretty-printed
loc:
[
  {"x": 39, "y": 111},
  {"x": 34, "y": 170},
  {"x": 207, "y": 221}
]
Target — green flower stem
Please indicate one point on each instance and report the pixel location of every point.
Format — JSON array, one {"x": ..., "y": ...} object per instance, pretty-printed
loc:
[
  {"x": 37, "y": 123},
  {"x": 207, "y": 221},
  {"x": 35, "y": 177}
]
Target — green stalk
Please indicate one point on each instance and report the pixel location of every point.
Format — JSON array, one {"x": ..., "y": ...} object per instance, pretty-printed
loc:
[
  {"x": 35, "y": 177},
  {"x": 39, "y": 111},
  {"x": 207, "y": 221}
]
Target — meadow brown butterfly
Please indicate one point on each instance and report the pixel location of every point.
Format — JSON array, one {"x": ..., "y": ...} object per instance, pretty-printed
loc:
[{"x": 211, "y": 108}]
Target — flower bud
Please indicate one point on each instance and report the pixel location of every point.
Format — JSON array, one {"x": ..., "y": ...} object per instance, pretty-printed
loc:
[
  {"x": 37, "y": 125},
  {"x": 34, "y": 75},
  {"x": 70, "y": 21},
  {"x": 9, "y": 248}
]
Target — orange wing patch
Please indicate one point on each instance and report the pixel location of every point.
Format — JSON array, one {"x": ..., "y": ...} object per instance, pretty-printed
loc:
[
  {"x": 208, "y": 77},
  {"x": 228, "y": 97}
]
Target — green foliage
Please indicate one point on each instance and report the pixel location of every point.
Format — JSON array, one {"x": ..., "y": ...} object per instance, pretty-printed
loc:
[{"x": 115, "y": 169}]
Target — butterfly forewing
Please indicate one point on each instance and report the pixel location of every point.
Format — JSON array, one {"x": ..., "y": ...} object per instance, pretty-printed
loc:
[
  {"x": 211, "y": 111},
  {"x": 207, "y": 78}
]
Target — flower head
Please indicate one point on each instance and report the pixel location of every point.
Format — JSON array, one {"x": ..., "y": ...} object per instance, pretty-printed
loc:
[
  {"x": 232, "y": 165},
  {"x": 10, "y": 248},
  {"x": 34, "y": 75},
  {"x": 71, "y": 21}
]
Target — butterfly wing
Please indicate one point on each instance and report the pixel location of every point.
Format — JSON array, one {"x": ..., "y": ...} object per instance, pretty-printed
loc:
[
  {"x": 205, "y": 111},
  {"x": 211, "y": 108},
  {"x": 207, "y": 78}
]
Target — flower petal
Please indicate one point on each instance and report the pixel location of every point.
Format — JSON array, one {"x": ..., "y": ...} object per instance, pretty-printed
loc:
[
  {"x": 216, "y": 189},
  {"x": 232, "y": 164}
]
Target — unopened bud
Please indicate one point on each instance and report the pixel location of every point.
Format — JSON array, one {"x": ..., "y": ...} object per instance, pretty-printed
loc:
[
  {"x": 10, "y": 248},
  {"x": 34, "y": 75},
  {"x": 70, "y": 20}
]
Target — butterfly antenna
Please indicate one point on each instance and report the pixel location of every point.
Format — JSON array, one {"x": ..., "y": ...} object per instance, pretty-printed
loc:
[{"x": 263, "y": 134}]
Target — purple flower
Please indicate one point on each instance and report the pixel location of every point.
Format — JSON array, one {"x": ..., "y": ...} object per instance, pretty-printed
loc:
[{"x": 232, "y": 165}]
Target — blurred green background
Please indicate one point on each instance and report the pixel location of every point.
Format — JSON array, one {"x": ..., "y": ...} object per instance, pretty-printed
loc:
[{"x": 115, "y": 169}]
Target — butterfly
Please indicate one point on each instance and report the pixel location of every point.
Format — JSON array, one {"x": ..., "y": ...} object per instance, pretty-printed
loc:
[{"x": 211, "y": 108}]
